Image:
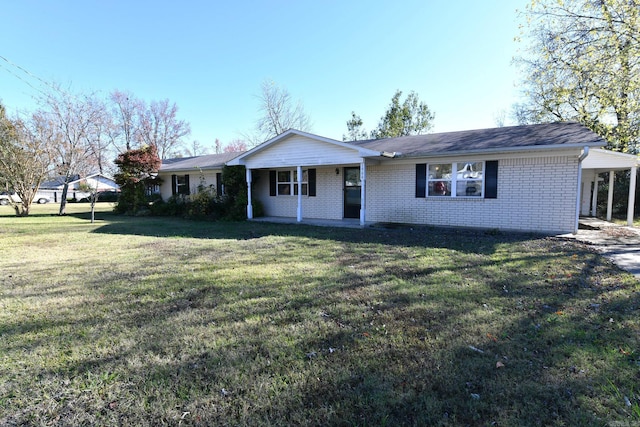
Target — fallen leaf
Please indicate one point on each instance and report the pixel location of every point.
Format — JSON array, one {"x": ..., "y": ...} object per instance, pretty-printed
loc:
[{"x": 499, "y": 365}]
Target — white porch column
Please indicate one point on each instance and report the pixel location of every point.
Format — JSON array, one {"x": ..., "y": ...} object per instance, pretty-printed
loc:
[
  {"x": 299, "y": 184},
  {"x": 594, "y": 195},
  {"x": 585, "y": 153},
  {"x": 632, "y": 195},
  {"x": 363, "y": 184},
  {"x": 249, "y": 205},
  {"x": 612, "y": 176}
]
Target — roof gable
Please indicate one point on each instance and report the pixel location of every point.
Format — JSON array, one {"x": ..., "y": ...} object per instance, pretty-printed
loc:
[
  {"x": 503, "y": 139},
  {"x": 295, "y": 147}
]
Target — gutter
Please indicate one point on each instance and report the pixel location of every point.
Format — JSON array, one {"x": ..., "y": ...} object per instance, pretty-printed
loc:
[{"x": 583, "y": 155}]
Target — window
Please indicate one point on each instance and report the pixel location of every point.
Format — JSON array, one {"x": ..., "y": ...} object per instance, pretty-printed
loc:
[
  {"x": 439, "y": 179},
  {"x": 285, "y": 183},
  {"x": 180, "y": 184},
  {"x": 305, "y": 182},
  {"x": 459, "y": 179},
  {"x": 469, "y": 179}
]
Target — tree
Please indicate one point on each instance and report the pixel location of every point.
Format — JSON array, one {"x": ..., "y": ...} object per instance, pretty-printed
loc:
[
  {"x": 24, "y": 162},
  {"x": 160, "y": 127},
  {"x": 137, "y": 169},
  {"x": 235, "y": 146},
  {"x": 68, "y": 121},
  {"x": 196, "y": 149},
  {"x": 583, "y": 65},
  {"x": 412, "y": 117},
  {"x": 278, "y": 113},
  {"x": 355, "y": 131},
  {"x": 126, "y": 112}
]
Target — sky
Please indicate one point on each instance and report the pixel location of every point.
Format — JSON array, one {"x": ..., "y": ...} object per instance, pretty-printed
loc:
[{"x": 211, "y": 57}]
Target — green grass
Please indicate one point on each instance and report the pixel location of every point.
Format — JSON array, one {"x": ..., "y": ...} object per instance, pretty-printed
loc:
[{"x": 160, "y": 321}]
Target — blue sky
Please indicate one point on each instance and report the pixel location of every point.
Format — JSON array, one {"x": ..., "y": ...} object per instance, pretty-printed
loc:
[{"x": 210, "y": 57}]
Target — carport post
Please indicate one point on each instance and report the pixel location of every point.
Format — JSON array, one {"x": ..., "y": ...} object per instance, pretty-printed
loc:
[
  {"x": 594, "y": 196},
  {"x": 632, "y": 195},
  {"x": 363, "y": 192},
  {"x": 612, "y": 176}
]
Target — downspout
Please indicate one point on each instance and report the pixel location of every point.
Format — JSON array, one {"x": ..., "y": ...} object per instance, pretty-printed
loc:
[{"x": 583, "y": 155}]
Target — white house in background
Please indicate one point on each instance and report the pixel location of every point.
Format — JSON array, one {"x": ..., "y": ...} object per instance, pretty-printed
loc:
[
  {"x": 528, "y": 178},
  {"x": 183, "y": 176},
  {"x": 53, "y": 188}
]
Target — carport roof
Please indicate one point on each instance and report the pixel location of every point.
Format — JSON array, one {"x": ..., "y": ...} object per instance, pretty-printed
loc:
[{"x": 606, "y": 160}]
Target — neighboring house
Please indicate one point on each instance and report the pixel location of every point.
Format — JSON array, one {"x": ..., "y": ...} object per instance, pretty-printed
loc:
[
  {"x": 53, "y": 188},
  {"x": 183, "y": 176},
  {"x": 528, "y": 178}
]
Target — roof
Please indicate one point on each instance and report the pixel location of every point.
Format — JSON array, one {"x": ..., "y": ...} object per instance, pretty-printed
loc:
[
  {"x": 510, "y": 138},
  {"x": 209, "y": 161},
  {"x": 57, "y": 182}
]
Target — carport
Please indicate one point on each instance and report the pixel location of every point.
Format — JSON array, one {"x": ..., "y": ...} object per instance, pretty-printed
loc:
[{"x": 596, "y": 162}]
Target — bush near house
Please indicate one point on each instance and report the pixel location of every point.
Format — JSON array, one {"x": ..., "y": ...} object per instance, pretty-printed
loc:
[{"x": 206, "y": 204}]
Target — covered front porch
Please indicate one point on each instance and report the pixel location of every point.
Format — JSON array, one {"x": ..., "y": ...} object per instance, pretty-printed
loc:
[
  {"x": 600, "y": 161},
  {"x": 308, "y": 177}
]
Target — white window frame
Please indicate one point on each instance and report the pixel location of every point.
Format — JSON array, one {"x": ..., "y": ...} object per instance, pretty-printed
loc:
[
  {"x": 292, "y": 183},
  {"x": 181, "y": 185},
  {"x": 453, "y": 180}
]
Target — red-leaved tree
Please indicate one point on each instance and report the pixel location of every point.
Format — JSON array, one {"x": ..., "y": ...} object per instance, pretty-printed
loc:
[{"x": 137, "y": 170}]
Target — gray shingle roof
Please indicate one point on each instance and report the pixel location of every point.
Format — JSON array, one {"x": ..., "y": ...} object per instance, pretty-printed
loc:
[
  {"x": 511, "y": 138},
  {"x": 209, "y": 161}
]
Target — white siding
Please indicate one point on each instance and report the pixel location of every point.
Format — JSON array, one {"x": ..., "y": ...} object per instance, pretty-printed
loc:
[{"x": 301, "y": 151}]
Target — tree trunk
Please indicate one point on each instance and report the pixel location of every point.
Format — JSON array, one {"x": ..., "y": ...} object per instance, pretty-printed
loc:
[{"x": 63, "y": 199}]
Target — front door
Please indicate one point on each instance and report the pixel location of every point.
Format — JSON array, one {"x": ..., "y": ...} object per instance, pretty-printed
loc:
[{"x": 352, "y": 192}]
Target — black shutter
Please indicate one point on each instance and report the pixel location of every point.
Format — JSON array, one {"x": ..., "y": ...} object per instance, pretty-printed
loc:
[
  {"x": 491, "y": 180},
  {"x": 421, "y": 180},
  {"x": 174, "y": 184},
  {"x": 187, "y": 189},
  {"x": 272, "y": 183},
  {"x": 312, "y": 182},
  {"x": 219, "y": 184}
]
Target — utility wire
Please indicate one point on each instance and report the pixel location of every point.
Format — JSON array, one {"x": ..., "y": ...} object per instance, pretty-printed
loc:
[{"x": 28, "y": 73}]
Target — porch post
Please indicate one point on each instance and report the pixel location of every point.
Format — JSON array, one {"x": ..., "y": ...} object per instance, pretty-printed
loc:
[
  {"x": 612, "y": 176},
  {"x": 249, "y": 205},
  {"x": 363, "y": 184},
  {"x": 632, "y": 195},
  {"x": 583, "y": 155},
  {"x": 299, "y": 184},
  {"x": 594, "y": 196}
]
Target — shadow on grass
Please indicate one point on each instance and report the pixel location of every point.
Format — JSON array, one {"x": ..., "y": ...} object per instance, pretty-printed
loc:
[
  {"x": 486, "y": 330},
  {"x": 454, "y": 238}
]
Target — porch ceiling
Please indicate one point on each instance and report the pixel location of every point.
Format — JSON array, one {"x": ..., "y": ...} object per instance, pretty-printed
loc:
[{"x": 606, "y": 160}]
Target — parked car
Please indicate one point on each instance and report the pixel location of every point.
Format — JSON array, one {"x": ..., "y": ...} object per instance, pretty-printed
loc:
[{"x": 5, "y": 196}]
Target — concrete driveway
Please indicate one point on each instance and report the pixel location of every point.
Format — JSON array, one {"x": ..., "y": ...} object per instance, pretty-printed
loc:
[{"x": 621, "y": 244}]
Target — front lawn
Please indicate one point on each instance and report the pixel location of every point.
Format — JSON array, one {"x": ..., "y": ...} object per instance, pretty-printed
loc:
[{"x": 161, "y": 321}]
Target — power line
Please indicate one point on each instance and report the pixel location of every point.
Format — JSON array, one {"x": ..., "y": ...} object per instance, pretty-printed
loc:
[{"x": 28, "y": 73}]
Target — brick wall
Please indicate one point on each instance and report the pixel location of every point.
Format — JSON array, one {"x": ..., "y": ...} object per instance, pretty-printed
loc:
[{"x": 534, "y": 194}]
